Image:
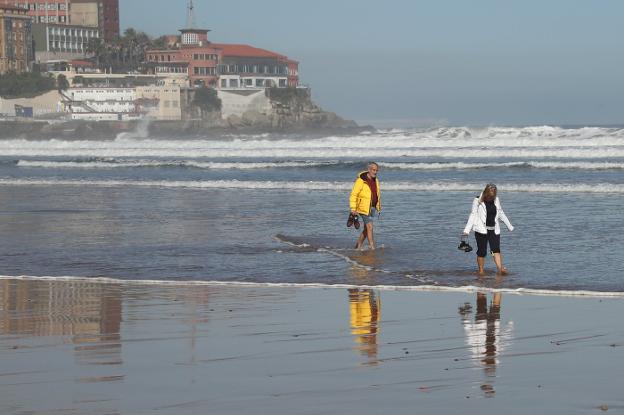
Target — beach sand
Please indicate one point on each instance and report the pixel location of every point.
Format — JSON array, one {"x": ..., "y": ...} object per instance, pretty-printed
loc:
[{"x": 85, "y": 347}]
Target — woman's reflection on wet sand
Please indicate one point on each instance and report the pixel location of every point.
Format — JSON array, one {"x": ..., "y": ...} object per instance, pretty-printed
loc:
[{"x": 485, "y": 336}]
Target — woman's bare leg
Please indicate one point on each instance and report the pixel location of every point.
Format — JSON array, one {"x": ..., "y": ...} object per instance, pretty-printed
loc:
[
  {"x": 498, "y": 260},
  {"x": 481, "y": 265}
]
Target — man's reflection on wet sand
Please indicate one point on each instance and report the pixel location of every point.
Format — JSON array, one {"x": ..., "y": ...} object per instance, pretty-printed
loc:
[
  {"x": 485, "y": 336},
  {"x": 365, "y": 311}
]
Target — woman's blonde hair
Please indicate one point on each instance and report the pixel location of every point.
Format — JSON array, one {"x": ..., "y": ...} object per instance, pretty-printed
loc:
[{"x": 490, "y": 187}]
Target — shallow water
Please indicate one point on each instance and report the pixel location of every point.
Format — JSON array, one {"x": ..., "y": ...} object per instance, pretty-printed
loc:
[{"x": 273, "y": 208}]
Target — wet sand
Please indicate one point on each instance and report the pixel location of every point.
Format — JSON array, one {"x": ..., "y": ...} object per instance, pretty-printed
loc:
[{"x": 82, "y": 347}]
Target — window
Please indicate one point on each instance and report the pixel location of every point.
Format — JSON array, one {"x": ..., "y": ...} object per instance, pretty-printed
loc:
[
  {"x": 224, "y": 83},
  {"x": 259, "y": 82},
  {"x": 282, "y": 83},
  {"x": 249, "y": 82},
  {"x": 233, "y": 83}
]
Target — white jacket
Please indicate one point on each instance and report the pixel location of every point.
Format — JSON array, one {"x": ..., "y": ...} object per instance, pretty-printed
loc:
[{"x": 478, "y": 216}]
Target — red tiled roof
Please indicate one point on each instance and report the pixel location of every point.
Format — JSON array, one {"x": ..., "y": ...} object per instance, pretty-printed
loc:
[{"x": 246, "y": 51}]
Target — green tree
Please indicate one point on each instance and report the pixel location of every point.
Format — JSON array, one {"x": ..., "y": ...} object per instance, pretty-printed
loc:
[
  {"x": 62, "y": 83},
  {"x": 25, "y": 85},
  {"x": 207, "y": 100},
  {"x": 160, "y": 43},
  {"x": 126, "y": 53}
]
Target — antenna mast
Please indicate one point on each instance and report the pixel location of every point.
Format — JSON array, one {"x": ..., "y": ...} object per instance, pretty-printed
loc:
[{"x": 190, "y": 17}]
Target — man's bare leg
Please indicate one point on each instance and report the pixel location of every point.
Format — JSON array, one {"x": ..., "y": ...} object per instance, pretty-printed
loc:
[
  {"x": 369, "y": 235},
  {"x": 361, "y": 239}
]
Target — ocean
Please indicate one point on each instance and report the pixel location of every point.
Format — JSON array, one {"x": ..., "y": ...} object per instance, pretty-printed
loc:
[{"x": 272, "y": 208}]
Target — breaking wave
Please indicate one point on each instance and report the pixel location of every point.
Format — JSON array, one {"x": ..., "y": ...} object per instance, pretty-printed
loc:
[
  {"x": 211, "y": 165},
  {"x": 325, "y": 186},
  {"x": 497, "y": 142}
]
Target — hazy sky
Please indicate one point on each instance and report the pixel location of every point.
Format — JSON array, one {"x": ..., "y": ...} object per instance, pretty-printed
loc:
[{"x": 414, "y": 62}]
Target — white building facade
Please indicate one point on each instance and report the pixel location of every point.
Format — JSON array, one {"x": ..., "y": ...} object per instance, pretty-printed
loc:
[{"x": 101, "y": 104}]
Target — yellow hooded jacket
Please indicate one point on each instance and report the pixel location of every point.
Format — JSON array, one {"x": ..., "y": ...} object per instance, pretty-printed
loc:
[{"x": 361, "y": 196}]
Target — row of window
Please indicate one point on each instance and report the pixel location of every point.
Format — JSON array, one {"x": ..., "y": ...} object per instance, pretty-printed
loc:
[
  {"x": 205, "y": 57},
  {"x": 260, "y": 69},
  {"x": 204, "y": 70},
  {"x": 171, "y": 69},
  {"x": 248, "y": 82},
  {"x": 57, "y": 31},
  {"x": 56, "y": 46},
  {"x": 190, "y": 38},
  {"x": 52, "y": 19},
  {"x": 107, "y": 91},
  {"x": 161, "y": 58},
  {"x": 42, "y": 6}
]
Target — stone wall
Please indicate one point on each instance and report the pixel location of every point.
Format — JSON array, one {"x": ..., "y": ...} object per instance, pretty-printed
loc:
[{"x": 42, "y": 104}]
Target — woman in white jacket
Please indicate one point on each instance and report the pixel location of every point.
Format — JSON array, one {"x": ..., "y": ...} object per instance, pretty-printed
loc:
[{"x": 484, "y": 220}]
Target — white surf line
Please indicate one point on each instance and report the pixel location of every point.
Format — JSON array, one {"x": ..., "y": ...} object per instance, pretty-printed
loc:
[
  {"x": 416, "y": 288},
  {"x": 545, "y": 165},
  {"x": 120, "y": 164},
  {"x": 603, "y": 188},
  {"x": 303, "y": 151}
]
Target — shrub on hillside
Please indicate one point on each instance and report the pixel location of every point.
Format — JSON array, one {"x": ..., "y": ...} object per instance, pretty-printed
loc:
[{"x": 25, "y": 85}]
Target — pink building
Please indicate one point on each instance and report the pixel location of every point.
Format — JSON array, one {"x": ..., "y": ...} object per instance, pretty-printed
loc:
[{"x": 224, "y": 65}]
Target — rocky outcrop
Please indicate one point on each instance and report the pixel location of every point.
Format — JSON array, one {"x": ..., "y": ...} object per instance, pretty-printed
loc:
[
  {"x": 287, "y": 110},
  {"x": 291, "y": 109}
]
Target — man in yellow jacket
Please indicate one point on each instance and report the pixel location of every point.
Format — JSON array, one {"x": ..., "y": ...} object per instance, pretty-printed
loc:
[{"x": 365, "y": 201}]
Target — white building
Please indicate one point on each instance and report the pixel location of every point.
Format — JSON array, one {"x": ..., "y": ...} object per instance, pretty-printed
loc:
[
  {"x": 100, "y": 104},
  {"x": 161, "y": 102}
]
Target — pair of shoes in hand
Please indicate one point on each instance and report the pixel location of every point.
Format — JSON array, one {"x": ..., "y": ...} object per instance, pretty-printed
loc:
[{"x": 353, "y": 221}]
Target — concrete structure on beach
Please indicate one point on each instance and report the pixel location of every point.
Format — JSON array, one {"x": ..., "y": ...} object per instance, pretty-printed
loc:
[{"x": 160, "y": 102}]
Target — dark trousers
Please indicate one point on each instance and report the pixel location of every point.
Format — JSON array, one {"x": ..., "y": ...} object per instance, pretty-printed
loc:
[{"x": 483, "y": 240}]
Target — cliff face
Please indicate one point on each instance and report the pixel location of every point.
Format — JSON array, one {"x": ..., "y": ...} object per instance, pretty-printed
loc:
[
  {"x": 280, "y": 110},
  {"x": 286, "y": 109}
]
